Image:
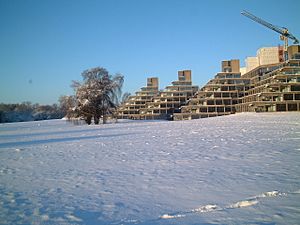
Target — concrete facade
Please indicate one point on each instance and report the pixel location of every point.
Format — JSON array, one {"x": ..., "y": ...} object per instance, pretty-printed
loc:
[
  {"x": 131, "y": 108},
  {"x": 265, "y": 56},
  {"x": 219, "y": 96},
  {"x": 243, "y": 70},
  {"x": 232, "y": 65},
  {"x": 275, "y": 88},
  {"x": 169, "y": 101},
  {"x": 251, "y": 63},
  {"x": 294, "y": 52},
  {"x": 267, "y": 88},
  {"x": 149, "y": 103},
  {"x": 268, "y": 55}
]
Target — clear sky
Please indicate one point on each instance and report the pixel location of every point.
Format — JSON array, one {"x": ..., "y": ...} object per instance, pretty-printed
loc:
[{"x": 44, "y": 45}]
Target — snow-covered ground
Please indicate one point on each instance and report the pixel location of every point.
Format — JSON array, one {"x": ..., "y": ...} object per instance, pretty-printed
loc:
[{"x": 238, "y": 169}]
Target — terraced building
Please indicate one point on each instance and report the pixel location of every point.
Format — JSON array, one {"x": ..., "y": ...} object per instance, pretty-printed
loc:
[
  {"x": 266, "y": 88},
  {"x": 131, "y": 108},
  {"x": 276, "y": 87},
  {"x": 219, "y": 96},
  {"x": 171, "y": 98}
]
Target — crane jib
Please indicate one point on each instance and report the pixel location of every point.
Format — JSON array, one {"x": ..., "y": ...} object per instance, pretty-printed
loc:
[{"x": 281, "y": 30}]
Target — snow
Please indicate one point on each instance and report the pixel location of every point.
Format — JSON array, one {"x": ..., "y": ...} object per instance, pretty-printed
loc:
[
  {"x": 245, "y": 203},
  {"x": 237, "y": 169}
]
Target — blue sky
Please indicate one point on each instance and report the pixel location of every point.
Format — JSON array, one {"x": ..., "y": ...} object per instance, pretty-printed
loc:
[{"x": 44, "y": 45}]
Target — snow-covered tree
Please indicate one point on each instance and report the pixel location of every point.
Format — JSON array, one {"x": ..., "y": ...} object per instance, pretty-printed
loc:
[
  {"x": 125, "y": 97},
  {"x": 97, "y": 96},
  {"x": 27, "y": 111},
  {"x": 67, "y": 105}
]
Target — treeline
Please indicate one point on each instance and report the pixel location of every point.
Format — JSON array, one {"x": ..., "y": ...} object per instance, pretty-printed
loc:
[{"x": 27, "y": 111}]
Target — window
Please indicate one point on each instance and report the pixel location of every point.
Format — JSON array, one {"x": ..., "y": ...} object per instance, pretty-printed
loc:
[
  {"x": 220, "y": 109},
  {"x": 280, "y": 107},
  {"x": 288, "y": 97},
  {"x": 218, "y": 102},
  {"x": 234, "y": 95},
  {"x": 203, "y": 109},
  {"x": 227, "y": 102},
  {"x": 224, "y": 88},
  {"x": 210, "y": 102},
  {"x": 295, "y": 88},
  {"x": 217, "y": 95},
  {"x": 211, "y": 109},
  {"x": 225, "y": 95},
  {"x": 292, "y": 107},
  {"x": 227, "y": 109}
]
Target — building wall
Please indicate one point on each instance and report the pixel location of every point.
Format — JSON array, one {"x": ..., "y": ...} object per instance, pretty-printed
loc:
[
  {"x": 169, "y": 101},
  {"x": 243, "y": 70},
  {"x": 267, "y": 88},
  {"x": 232, "y": 65},
  {"x": 135, "y": 103},
  {"x": 152, "y": 82},
  {"x": 251, "y": 63},
  {"x": 271, "y": 87},
  {"x": 274, "y": 88},
  {"x": 265, "y": 56},
  {"x": 268, "y": 55},
  {"x": 294, "y": 51},
  {"x": 185, "y": 75},
  {"x": 219, "y": 96},
  {"x": 149, "y": 103}
]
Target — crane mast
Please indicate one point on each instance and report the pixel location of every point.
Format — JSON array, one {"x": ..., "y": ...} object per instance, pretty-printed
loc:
[{"x": 284, "y": 32}]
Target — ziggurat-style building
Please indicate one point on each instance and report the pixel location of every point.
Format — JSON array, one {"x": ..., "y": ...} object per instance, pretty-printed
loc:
[
  {"x": 219, "y": 96},
  {"x": 131, "y": 108},
  {"x": 171, "y": 99},
  {"x": 274, "y": 88},
  {"x": 149, "y": 103},
  {"x": 267, "y": 88}
]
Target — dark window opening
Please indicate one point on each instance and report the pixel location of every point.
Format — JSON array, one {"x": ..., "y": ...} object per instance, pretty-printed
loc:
[
  {"x": 280, "y": 107},
  {"x": 292, "y": 107},
  {"x": 288, "y": 97},
  {"x": 295, "y": 88}
]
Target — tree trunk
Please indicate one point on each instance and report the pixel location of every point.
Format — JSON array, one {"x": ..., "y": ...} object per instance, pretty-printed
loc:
[
  {"x": 88, "y": 120},
  {"x": 104, "y": 119},
  {"x": 96, "y": 119}
]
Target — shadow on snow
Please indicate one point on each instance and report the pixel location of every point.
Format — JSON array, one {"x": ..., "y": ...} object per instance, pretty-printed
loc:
[{"x": 57, "y": 140}]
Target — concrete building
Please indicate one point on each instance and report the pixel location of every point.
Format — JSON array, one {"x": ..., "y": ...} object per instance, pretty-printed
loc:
[
  {"x": 265, "y": 56},
  {"x": 272, "y": 87},
  {"x": 266, "y": 88},
  {"x": 232, "y": 65},
  {"x": 219, "y": 96},
  {"x": 171, "y": 98},
  {"x": 251, "y": 63},
  {"x": 275, "y": 87},
  {"x": 243, "y": 70},
  {"x": 268, "y": 55},
  {"x": 294, "y": 52},
  {"x": 131, "y": 108}
]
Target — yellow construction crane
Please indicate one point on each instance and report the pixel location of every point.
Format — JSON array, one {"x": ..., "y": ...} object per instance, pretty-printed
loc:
[{"x": 285, "y": 34}]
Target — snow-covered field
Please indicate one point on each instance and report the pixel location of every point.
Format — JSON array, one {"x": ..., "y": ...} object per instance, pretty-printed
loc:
[{"x": 238, "y": 169}]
